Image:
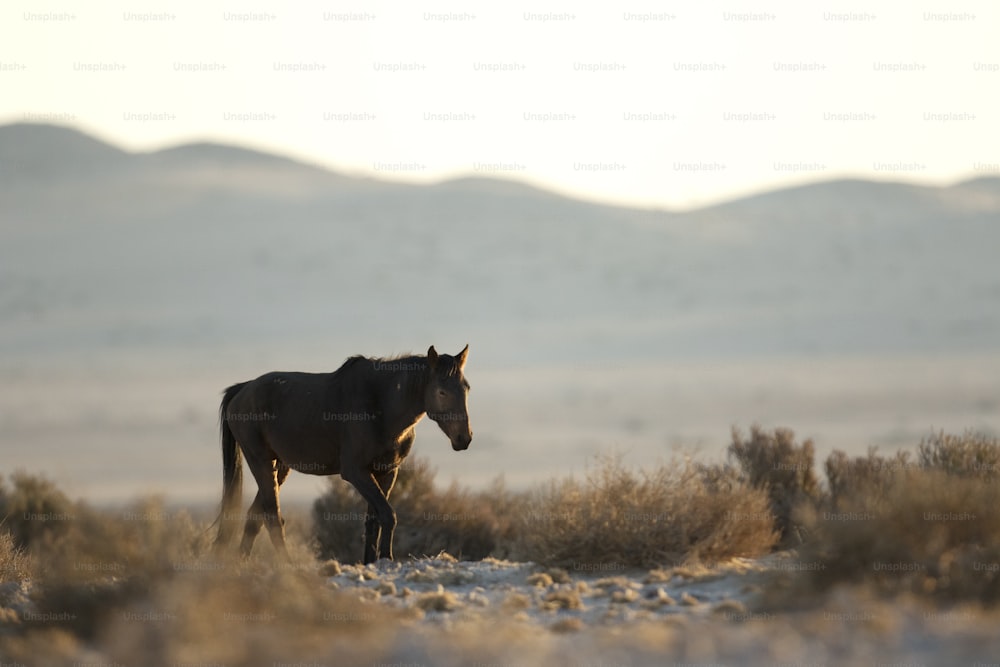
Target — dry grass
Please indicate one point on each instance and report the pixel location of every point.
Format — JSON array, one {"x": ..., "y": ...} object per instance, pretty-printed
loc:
[
  {"x": 14, "y": 562},
  {"x": 617, "y": 518}
]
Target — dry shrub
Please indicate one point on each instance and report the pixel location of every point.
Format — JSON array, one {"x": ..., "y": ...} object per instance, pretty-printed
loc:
[
  {"x": 618, "y": 518},
  {"x": 213, "y": 612},
  {"x": 141, "y": 583},
  {"x": 429, "y": 521},
  {"x": 33, "y": 509},
  {"x": 87, "y": 565},
  {"x": 971, "y": 454},
  {"x": 775, "y": 462},
  {"x": 142, "y": 540},
  {"x": 338, "y": 521},
  {"x": 871, "y": 476},
  {"x": 98, "y": 561},
  {"x": 69, "y": 541},
  {"x": 456, "y": 520},
  {"x": 932, "y": 530}
]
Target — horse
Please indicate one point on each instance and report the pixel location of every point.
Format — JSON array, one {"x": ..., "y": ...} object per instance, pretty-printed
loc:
[{"x": 357, "y": 421}]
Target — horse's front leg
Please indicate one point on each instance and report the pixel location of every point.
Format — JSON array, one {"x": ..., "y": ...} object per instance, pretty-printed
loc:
[
  {"x": 384, "y": 524},
  {"x": 385, "y": 480},
  {"x": 372, "y": 533}
]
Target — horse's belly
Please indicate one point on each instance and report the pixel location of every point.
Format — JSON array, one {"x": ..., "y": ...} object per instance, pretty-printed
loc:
[
  {"x": 314, "y": 467},
  {"x": 312, "y": 456}
]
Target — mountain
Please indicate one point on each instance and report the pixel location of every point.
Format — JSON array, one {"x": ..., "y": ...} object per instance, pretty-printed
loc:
[
  {"x": 31, "y": 152},
  {"x": 844, "y": 265},
  {"x": 538, "y": 254}
]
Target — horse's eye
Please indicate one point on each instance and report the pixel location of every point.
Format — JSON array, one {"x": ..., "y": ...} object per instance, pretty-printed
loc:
[{"x": 442, "y": 393}]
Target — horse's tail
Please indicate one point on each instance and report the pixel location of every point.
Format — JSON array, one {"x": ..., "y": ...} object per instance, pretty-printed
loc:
[{"x": 232, "y": 471}]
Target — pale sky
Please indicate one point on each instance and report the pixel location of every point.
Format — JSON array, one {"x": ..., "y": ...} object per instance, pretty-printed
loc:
[{"x": 654, "y": 104}]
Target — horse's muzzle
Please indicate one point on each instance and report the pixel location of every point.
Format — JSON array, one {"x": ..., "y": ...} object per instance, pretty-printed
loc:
[{"x": 461, "y": 442}]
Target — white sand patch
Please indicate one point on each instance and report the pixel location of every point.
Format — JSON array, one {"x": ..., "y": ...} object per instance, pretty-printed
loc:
[
  {"x": 520, "y": 613},
  {"x": 489, "y": 588}
]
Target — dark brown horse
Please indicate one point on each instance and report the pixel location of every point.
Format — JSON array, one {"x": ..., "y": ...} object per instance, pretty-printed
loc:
[{"x": 357, "y": 421}]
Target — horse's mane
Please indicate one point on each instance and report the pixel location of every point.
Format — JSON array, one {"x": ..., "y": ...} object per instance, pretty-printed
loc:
[
  {"x": 359, "y": 372},
  {"x": 354, "y": 361}
]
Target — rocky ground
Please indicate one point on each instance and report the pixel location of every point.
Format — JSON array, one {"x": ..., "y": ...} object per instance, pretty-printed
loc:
[
  {"x": 441, "y": 589},
  {"x": 504, "y": 613},
  {"x": 439, "y": 611}
]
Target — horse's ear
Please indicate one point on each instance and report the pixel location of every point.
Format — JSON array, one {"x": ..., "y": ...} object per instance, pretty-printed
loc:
[
  {"x": 462, "y": 356},
  {"x": 432, "y": 357}
]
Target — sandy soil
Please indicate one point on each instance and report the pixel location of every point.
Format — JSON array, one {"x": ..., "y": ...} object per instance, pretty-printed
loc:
[
  {"x": 438, "y": 611},
  {"x": 507, "y": 613}
]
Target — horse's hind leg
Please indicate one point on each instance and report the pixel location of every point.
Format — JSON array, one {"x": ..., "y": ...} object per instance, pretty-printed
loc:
[
  {"x": 252, "y": 527},
  {"x": 281, "y": 472},
  {"x": 272, "y": 511},
  {"x": 264, "y": 508},
  {"x": 276, "y": 523}
]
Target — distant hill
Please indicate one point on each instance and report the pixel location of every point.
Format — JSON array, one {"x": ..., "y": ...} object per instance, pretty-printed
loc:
[
  {"x": 33, "y": 152},
  {"x": 857, "y": 201},
  {"x": 221, "y": 156},
  {"x": 154, "y": 242},
  {"x": 42, "y": 153}
]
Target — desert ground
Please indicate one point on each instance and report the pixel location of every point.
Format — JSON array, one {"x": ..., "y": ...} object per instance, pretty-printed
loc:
[{"x": 761, "y": 560}]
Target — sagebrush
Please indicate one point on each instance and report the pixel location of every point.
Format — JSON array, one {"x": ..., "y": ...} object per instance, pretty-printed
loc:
[
  {"x": 775, "y": 462},
  {"x": 928, "y": 527}
]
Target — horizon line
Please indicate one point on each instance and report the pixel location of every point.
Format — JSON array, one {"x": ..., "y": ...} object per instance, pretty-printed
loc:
[{"x": 539, "y": 184}]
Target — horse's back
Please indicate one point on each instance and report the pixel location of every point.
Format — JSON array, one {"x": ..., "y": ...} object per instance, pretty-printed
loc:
[
  {"x": 285, "y": 395},
  {"x": 288, "y": 412}
]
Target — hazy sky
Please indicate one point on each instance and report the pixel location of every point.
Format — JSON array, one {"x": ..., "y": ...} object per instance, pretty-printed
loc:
[{"x": 668, "y": 103}]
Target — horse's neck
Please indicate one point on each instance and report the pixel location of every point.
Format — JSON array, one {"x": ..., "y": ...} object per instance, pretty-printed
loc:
[{"x": 403, "y": 402}]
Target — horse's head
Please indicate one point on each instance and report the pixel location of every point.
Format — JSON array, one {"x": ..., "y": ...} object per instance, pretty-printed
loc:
[{"x": 446, "y": 400}]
